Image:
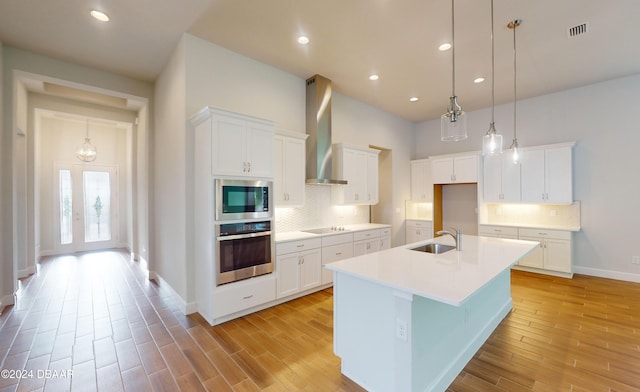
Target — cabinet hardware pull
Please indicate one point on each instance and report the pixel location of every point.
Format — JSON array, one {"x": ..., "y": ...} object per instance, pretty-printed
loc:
[
  {"x": 249, "y": 165},
  {"x": 248, "y": 296},
  {"x": 338, "y": 253},
  {"x": 300, "y": 246}
]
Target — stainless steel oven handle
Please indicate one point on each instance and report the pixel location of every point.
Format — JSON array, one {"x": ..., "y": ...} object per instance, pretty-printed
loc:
[{"x": 241, "y": 236}]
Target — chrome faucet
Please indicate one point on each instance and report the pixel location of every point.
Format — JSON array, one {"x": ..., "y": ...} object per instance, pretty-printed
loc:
[{"x": 457, "y": 236}]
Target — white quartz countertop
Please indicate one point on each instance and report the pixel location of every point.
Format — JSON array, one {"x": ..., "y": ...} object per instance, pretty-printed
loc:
[
  {"x": 300, "y": 235},
  {"x": 535, "y": 226},
  {"x": 450, "y": 277}
]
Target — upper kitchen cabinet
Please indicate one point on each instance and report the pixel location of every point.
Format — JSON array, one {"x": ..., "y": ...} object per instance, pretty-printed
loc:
[
  {"x": 501, "y": 179},
  {"x": 241, "y": 146},
  {"x": 455, "y": 169},
  {"x": 289, "y": 170},
  {"x": 546, "y": 175},
  {"x": 359, "y": 166},
  {"x": 421, "y": 182}
]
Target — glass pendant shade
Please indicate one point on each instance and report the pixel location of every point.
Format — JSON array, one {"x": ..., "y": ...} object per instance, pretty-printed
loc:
[
  {"x": 515, "y": 152},
  {"x": 492, "y": 142},
  {"x": 453, "y": 124},
  {"x": 87, "y": 152}
]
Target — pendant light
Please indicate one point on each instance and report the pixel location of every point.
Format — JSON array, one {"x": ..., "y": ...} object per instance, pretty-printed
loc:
[
  {"x": 492, "y": 140},
  {"x": 453, "y": 124},
  {"x": 87, "y": 152},
  {"x": 514, "y": 145}
]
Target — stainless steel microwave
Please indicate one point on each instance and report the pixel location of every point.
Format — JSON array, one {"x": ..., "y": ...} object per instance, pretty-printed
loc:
[{"x": 243, "y": 199}]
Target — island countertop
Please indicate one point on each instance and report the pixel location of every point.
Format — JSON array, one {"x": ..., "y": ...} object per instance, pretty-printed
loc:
[{"x": 451, "y": 277}]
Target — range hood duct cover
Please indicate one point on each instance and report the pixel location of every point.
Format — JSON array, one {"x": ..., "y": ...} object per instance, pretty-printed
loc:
[{"x": 319, "y": 159}]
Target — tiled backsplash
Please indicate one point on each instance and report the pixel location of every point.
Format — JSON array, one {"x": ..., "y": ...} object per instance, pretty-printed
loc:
[
  {"x": 544, "y": 215},
  {"x": 318, "y": 212}
]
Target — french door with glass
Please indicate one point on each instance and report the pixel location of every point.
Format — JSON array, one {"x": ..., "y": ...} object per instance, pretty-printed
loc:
[{"x": 86, "y": 207}]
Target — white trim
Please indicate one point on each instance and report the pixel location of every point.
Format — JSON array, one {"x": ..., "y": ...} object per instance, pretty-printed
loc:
[
  {"x": 608, "y": 274},
  {"x": 186, "y": 308},
  {"x": 23, "y": 273},
  {"x": 6, "y": 301}
]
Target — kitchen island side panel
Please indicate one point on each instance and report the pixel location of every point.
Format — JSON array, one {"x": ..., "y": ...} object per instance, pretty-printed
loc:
[{"x": 440, "y": 338}]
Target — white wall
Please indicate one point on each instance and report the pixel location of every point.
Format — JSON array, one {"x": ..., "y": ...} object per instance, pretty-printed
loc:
[
  {"x": 169, "y": 256},
  {"x": 600, "y": 118},
  {"x": 6, "y": 263}
]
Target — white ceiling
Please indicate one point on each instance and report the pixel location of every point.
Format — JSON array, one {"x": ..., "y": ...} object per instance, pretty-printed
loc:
[{"x": 349, "y": 40}]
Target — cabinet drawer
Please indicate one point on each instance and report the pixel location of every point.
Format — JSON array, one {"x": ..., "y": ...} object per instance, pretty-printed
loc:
[
  {"x": 544, "y": 233},
  {"x": 366, "y": 234},
  {"x": 296, "y": 246},
  {"x": 385, "y": 232},
  {"x": 418, "y": 224},
  {"x": 498, "y": 230},
  {"x": 336, "y": 252},
  {"x": 337, "y": 239},
  {"x": 245, "y": 294}
]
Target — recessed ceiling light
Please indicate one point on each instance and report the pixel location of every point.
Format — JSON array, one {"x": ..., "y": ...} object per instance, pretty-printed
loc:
[
  {"x": 445, "y": 46},
  {"x": 478, "y": 80},
  {"x": 414, "y": 99},
  {"x": 101, "y": 16},
  {"x": 374, "y": 77},
  {"x": 303, "y": 40}
]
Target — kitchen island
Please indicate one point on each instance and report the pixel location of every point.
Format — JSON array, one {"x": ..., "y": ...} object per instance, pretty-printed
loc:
[{"x": 406, "y": 320}]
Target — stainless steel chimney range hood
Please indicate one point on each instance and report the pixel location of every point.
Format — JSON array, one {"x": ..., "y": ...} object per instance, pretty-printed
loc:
[{"x": 319, "y": 158}]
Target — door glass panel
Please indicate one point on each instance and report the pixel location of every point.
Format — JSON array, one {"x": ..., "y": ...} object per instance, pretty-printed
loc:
[
  {"x": 97, "y": 206},
  {"x": 66, "y": 207}
]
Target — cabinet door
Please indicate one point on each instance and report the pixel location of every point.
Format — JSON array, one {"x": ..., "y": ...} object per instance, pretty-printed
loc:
[
  {"x": 372, "y": 178},
  {"x": 510, "y": 180},
  {"x": 354, "y": 165},
  {"x": 534, "y": 259},
  {"x": 294, "y": 171},
  {"x": 532, "y": 176},
  {"x": 229, "y": 141},
  {"x": 385, "y": 243},
  {"x": 442, "y": 170},
  {"x": 259, "y": 150},
  {"x": 557, "y": 255},
  {"x": 421, "y": 183},
  {"x": 492, "y": 179},
  {"x": 465, "y": 169},
  {"x": 288, "y": 267},
  {"x": 558, "y": 175},
  {"x": 310, "y": 269},
  {"x": 334, "y": 253},
  {"x": 279, "y": 167}
]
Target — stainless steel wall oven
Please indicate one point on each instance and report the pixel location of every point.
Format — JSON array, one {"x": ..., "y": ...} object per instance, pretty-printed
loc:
[{"x": 243, "y": 250}]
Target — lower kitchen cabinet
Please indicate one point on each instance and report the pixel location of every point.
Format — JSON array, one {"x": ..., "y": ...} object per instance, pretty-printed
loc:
[
  {"x": 238, "y": 296},
  {"x": 298, "y": 266},
  {"x": 335, "y": 248},
  {"x": 554, "y": 252},
  {"x": 370, "y": 241},
  {"x": 418, "y": 230},
  {"x": 498, "y": 231}
]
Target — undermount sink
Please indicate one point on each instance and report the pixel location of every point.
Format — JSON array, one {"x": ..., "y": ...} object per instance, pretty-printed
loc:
[
  {"x": 434, "y": 248},
  {"x": 325, "y": 230}
]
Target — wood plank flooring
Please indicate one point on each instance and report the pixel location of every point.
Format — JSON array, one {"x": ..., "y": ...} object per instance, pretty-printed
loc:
[{"x": 97, "y": 316}]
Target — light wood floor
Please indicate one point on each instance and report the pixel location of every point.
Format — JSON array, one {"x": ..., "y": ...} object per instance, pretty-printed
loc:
[{"x": 97, "y": 315}]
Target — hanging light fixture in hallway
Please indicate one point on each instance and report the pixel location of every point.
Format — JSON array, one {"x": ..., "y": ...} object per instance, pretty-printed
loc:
[
  {"x": 492, "y": 140},
  {"x": 87, "y": 152},
  {"x": 453, "y": 124}
]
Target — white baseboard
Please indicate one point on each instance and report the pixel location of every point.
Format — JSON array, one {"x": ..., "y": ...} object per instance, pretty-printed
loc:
[
  {"x": 185, "y": 307},
  {"x": 6, "y": 301},
  {"x": 608, "y": 274}
]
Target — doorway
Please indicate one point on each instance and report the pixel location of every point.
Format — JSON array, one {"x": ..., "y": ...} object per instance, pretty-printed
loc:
[{"x": 87, "y": 206}]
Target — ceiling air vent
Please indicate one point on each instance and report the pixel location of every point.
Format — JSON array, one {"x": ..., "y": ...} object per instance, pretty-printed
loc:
[{"x": 577, "y": 30}]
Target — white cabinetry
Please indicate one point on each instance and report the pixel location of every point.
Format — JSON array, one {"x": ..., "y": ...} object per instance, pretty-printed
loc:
[
  {"x": 240, "y": 145},
  {"x": 498, "y": 231},
  {"x": 501, "y": 179},
  {"x": 547, "y": 175},
  {"x": 457, "y": 169},
  {"x": 335, "y": 248},
  {"x": 359, "y": 166},
  {"x": 289, "y": 159},
  {"x": 554, "y": 252},
  {"x": 238, "y": 296},
  {"x": 421, "y": 183},
  {"x": 298, "y": 266},
  {"x": 418, "y": 230},
  {"x": 369, "y": 241}
]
